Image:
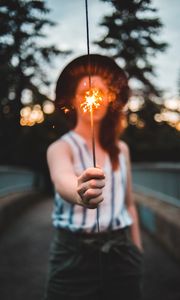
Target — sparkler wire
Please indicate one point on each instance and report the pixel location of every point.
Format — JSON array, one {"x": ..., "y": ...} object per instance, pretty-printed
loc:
[
  {"x": 91, "y": 110},
  {"x": 87, "y": 36},
  {"x": 89, "y": 75},
  {"x": 92, "y": 127}
]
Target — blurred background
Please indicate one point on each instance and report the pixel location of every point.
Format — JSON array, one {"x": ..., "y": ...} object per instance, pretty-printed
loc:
[{"x": 37, "y": 40}]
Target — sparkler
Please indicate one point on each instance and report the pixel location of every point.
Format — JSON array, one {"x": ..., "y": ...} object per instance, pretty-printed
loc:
[
  {"x": 92, "y": 101},
  {"x": 93, "y": 96}
]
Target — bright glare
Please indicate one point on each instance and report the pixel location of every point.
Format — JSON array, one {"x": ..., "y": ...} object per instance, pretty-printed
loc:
[{"x": 92, "y": 100}]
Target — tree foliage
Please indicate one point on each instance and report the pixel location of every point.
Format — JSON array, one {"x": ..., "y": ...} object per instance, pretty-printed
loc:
[
  {"x": 22, "y": 58},
  {"x": 132, "y": 38},
  {"x": 149, "y": 143}
]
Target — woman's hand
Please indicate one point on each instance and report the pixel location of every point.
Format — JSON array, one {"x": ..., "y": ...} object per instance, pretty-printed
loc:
[{"x": 89, "y": 187}]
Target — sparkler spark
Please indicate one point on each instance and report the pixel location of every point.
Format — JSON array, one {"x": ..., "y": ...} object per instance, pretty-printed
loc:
[
  {"x": 65, "y": 109},
  {"x": 93, "y": 99}
]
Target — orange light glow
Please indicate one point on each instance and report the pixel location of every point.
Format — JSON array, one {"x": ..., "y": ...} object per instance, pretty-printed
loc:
[
  {"x": 31, "y": 115},
  {"x": 93, "y": 98},
  {"x": 178, "y": 126}
]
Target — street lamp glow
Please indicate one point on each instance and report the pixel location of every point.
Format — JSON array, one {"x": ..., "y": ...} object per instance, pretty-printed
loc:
[
  {"x": 133, "y": 118},
  {"x": 135, "y": 103},
  {"x": 25, "y": 112},
  {"x": 31, "y": 115},
  {"x": 48, "y": 107},
  {"x": 172, "y": 103},
  {"x": 158, "y": 118},
  {"x": 170, "y": 116}
]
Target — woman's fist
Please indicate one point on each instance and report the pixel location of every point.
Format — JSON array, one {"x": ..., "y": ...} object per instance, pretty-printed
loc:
[{"x": 89, "y": 187}]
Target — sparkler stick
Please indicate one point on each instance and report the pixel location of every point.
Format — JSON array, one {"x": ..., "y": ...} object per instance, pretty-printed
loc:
[
  {"x": 91, "y": 106},
  {"x": 87, "y": 34},
  {"x": 92, "y": 101},
  {"x": 92, "y": 96},
  {"x": 93, "y": 140}
]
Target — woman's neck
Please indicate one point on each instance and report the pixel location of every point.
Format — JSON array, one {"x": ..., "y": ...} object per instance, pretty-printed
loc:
[{"x": 84, "y": 129}]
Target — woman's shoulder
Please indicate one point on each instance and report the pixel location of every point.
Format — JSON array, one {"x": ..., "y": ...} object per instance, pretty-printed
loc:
[{"x": 58, "y": 146}]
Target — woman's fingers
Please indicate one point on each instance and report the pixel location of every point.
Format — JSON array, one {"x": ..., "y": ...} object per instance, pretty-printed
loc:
[
  {"x": 91, "y": 173},
  {"x": 92, "y": 193},
  {"x": 90, "y": 185},
  {"x": 94, "y": 183},
  {"x": 93, "y": 203},
  {"x": 89, "y": 194}
]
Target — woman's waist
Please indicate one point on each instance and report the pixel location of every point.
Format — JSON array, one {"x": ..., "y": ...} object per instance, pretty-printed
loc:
[{"x": 99, "y": 235}]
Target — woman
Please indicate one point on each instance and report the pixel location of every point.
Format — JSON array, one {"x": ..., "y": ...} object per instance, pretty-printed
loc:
[{"x": 87, "y": 263}]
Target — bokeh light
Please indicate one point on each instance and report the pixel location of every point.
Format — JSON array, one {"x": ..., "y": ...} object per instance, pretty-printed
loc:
[
  {"x": 48, "y": 107},
  {"x": 135, "y": 103},
  {"x": 172, "y": 103},
  {"x": 31, "y": 115}
]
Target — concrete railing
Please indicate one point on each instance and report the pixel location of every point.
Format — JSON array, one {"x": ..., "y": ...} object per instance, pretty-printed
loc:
[
  {"x": 161, "y": 220},
  {"x": 14, "y": 179},
  {"x": 161, "y": 180},
  {"x": 156, "y": 189},
  {"x": 19, "y": 188}
]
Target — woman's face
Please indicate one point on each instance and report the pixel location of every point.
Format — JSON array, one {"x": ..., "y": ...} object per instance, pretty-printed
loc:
[{"x": 99, "y": 85}]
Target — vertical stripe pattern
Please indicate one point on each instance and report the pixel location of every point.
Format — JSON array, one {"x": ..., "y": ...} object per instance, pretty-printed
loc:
[
  {"x": 113, "y": 211},
  {"x": 112, "y": 200}
]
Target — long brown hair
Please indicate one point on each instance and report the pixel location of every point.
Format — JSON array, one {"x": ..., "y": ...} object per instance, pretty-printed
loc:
[{"x": 117, "y": 82}]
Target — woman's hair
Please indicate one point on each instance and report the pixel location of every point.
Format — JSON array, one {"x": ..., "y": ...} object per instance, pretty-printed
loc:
[{"x": 116, "y": 80}]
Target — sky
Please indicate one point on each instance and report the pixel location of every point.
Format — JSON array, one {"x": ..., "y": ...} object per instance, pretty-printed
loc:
[{"x": 70, "y": 33}]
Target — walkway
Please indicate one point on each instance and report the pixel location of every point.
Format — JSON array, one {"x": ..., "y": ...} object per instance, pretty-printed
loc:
[{"x": 24, "y": 254}]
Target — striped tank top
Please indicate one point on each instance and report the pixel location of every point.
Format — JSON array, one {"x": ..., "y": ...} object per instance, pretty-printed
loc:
[{"x": 113, "y": 213}]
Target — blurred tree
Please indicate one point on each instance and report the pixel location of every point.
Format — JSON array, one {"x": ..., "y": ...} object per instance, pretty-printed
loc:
[
  {"x": 147, "y": 138},
  {"x": 23, "y": 61},
  {"x": 132, "y": 38}
]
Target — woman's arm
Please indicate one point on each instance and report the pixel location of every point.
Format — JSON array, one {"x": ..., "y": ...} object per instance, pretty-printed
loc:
[
  {"x": 130, "y": 204},
  {"x": 85, "y": 190}
]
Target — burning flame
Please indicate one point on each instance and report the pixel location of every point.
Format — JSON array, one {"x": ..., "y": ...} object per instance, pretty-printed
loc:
[{"x": 93, "y": 99}]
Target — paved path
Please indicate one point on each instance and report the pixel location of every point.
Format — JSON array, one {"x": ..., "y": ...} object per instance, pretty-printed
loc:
[{"x": 24, "y": 255}]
